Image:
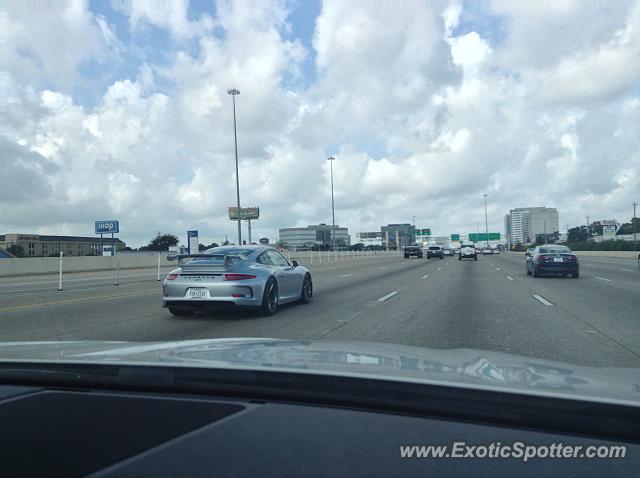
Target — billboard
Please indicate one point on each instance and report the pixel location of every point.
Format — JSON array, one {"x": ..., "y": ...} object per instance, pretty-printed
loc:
[
  {"x": 608, "y": 233},
  {"x": 370, "y": 235},
  {"x": 107, "y": 227},
  {"x": 245, "y": 213}
]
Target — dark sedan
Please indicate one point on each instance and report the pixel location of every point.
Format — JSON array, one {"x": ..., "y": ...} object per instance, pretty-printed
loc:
[{"x": 551, "y": 259}]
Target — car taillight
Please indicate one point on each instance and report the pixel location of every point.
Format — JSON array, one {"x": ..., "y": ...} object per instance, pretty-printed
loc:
[
  {"x": 172, "y": 276},
  {"x": 235, "y": 277},
  {"x": 572, "y": 258},
  {"x": 542, "y": 258}
]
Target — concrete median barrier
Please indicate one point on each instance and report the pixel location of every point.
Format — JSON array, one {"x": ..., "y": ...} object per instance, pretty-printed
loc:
[
  {"x": 50, "y": 265},
  {"x": 616, "y": 254}
]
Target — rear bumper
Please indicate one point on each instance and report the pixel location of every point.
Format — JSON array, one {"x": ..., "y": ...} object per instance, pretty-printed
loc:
[
  {"x": 183, "y": 303},
  {"x": 249, "y": 292},
  {"x": 551, "y": 268}
]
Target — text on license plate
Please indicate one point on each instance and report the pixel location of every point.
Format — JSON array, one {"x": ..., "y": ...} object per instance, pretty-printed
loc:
[
  {"x": 198, "y": 293},
  {"x": 557, "y": 259}
]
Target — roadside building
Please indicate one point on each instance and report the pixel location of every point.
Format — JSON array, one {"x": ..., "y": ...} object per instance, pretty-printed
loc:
[
  {"x": 41, "y": 245},
  {"x": 319, "y": 235}
]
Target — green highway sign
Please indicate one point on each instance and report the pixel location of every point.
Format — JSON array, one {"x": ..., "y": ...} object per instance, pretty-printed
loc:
[
  {"x": 493, "y": 236},
  {"x": 423, "y": 232},
  {"x": 455, "y": 237}
]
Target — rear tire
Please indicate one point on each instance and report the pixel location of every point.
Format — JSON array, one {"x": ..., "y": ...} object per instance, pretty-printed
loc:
[
  {"x": 180, "y": 312},
  {"x": 269, "y": 304},
  {"x": 534, "y": 272},
  {"x": 307, "y": 290},
  {"x": 528, "y": 271},
  {"x": 459, "y": 258},
  {"x": 475, "y": 258},
  {"x": 575, "y": 275}
]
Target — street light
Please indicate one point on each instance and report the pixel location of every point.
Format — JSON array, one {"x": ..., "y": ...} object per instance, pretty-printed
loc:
[
  {"x": 233, "y": 92},
  {"x": 486, "y": 222},
  {"x": 331, "y": 159}
]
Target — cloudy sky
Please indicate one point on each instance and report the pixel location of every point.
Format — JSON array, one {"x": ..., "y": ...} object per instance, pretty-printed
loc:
[{"x": 119, "y": 110}]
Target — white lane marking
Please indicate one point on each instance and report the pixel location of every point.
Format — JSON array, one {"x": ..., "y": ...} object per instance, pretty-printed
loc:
[
  {"x": 439, "y": 268},
  {"x": 509, "y": 277},
  {"x": 541, "y": 299},
  {"x": 346, "y": 275},
  {"x": 630, "y": 270},
  {"x": 424, "y": 277},
  {"x": 602, "y": 278},
  {"x": 383, "y": 268},
  {"x": 498, "y": 269},
  {"x": 388, "y": 296}
]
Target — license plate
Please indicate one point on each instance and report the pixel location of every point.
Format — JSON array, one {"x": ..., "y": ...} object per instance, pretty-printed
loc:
[
  {"x": 557, "y": 259},
  {"x": 198, "y": 293}
]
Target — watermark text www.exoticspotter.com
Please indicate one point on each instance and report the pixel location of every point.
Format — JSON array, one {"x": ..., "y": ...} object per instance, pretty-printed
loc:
[{"x": 517, "y": 450}]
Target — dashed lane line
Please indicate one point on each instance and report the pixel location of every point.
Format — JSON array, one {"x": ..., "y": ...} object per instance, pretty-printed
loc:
[
  {"x": 541, "y": 299},
  {"x": 388, "y": 296}
]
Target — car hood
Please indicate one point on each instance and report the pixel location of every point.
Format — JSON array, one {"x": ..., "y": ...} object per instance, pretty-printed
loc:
[{"x": 460, "y": 367}]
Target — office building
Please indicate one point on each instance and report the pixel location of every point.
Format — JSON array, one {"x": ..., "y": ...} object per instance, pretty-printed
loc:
[
  {"x": 315, "y": 235},
  {"x": 39, "y": 245},
  {"x": 523, "y": 224}
]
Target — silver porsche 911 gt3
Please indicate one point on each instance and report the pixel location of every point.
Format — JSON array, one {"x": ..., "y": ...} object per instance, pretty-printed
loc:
[{"x": 248, "y": 276}]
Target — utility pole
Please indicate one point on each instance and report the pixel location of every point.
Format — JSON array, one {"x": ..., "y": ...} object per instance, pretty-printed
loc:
[
  {"x": 588, "y": 228},
  {"x": 633, "y": 220}
]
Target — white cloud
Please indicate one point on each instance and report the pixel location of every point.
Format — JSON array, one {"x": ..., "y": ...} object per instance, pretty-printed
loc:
[
  {"x": 48, "y": 41},
  {"x": 166, "y": 14}
]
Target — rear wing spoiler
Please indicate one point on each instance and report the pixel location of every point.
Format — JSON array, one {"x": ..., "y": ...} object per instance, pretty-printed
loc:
[{"x": 228, "y": 259}]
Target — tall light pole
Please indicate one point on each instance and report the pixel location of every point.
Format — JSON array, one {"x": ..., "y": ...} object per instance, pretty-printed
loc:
[
  {"x": 233, "y": 92},
  {"x": 486, "y": 221},
  {"x": 478, "y": 231},
  {"x": 331, "y": 159}
]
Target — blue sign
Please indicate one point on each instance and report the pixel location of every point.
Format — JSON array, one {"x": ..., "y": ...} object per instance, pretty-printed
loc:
[
  {"x": 107, "y": 227},
  {"x": 192, "y": 233}
]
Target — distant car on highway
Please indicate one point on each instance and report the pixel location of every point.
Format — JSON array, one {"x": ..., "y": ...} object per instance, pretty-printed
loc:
[
  {"x": 468, "y": 252},
  {"x": 551, "y": 259},
  {"x": 244, "y": 276},
  {"x": 413, "y": 251},
  {"x": 435, "y": 251},
  {"x": 495, "y": 251},
  {"x": 487, "y": 251},
  {"x": 447, "y": 252}
]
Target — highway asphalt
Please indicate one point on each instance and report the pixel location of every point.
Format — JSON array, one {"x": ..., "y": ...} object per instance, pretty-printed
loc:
[{"x": 490, "y": 304}]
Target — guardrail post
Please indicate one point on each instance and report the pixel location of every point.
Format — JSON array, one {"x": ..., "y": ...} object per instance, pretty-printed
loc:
[
  {"x": 117, "y": 273},
  {"x": 158, "y": 267},
  {"x": 60, "y": 273},
  {"x": 311, "y": 256}
]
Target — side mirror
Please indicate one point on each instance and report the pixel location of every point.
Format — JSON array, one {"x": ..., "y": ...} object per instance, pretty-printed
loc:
[
  {"x": 528, "y": 254},
  {"x": 294, "y": 263}
]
